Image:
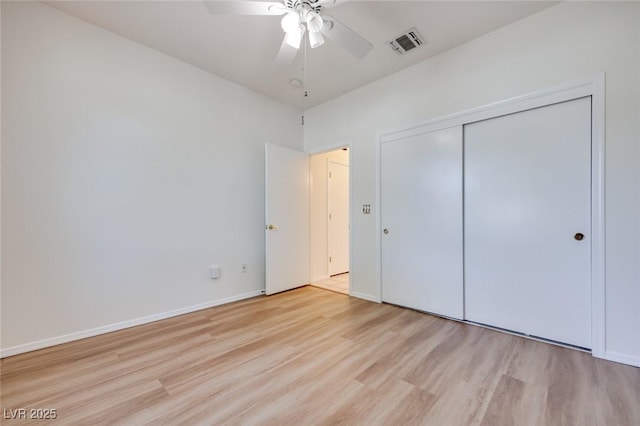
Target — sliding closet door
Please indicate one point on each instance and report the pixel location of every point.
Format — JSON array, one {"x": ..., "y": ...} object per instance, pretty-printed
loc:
[
  {"x": 527, "y": 222},
  {"x": 421, "y": 217}
]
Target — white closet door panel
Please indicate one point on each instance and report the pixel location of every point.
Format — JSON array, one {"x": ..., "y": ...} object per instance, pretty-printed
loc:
[
  {"x": 527, "y": 193},
  {"x": 338, "y": 224},
  {"x": 421, "y": 208}
]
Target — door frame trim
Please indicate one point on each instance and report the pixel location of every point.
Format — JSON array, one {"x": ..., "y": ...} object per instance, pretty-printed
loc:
[{"x": 593, "y": 86}]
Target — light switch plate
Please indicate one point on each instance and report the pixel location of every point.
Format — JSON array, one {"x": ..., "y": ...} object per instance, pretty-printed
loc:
[{"x": 214, "y": 272}]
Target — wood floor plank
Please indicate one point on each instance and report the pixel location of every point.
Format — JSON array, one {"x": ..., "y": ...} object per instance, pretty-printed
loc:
[
  {"x": 515, "y": 402},
  {"x": 311, "y": 356},
  {"x": 401, "y": 362},
  {"x": 308, "y": 397}
]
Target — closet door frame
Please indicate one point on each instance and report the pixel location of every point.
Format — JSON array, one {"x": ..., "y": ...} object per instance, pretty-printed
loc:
[{"x": 593, "y": 86}]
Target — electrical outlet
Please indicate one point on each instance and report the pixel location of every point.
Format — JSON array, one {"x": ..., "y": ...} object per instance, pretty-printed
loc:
[{"x": 244, "y": 268}]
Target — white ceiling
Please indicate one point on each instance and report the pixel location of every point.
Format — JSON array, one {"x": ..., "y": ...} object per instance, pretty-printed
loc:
[{"x": 243, "y": 48}]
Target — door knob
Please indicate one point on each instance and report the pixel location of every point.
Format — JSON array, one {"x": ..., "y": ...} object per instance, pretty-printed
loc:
[
  {"x": 386, "y": 231},
  {"x": 272, "y": 227},
  {"x": 579, "y": 236}
]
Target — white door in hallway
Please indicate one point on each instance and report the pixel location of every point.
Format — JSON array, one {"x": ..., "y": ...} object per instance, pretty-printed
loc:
[
  {"x": 421, "y": 217},
  {"x": 338, "y": 218},
  {"x": 527, "y": 222},
  {"x": 287, "y": 218}
]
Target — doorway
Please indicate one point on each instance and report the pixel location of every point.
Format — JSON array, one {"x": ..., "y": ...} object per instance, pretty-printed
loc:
[{"x": 330, "y": 220}]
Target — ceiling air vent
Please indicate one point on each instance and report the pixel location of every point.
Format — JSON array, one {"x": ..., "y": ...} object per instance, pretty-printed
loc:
[{"x": 407, "y": 41}]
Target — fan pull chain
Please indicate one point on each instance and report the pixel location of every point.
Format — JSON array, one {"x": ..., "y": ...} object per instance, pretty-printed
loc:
[{"x": 304, "y": 76}]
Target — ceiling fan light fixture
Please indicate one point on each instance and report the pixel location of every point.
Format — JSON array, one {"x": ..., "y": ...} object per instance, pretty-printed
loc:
[
  {"x": 294, "y": 38},
  {"x": 315, "y": 39},
  {"x": 314, "y": 21},
  {"x": 291, "y": 22}
]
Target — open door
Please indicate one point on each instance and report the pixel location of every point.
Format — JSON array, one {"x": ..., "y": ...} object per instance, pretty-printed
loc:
[{"x": 287, "y": 218}]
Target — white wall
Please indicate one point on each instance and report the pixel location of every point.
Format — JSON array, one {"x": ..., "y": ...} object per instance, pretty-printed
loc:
[
  {"x": 319, "y": 207},
  {"x": 125, "y": 174},
  {"x": 561, "y": 44}
]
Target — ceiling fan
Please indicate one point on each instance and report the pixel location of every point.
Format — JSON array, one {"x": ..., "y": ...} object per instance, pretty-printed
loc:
[{"x": 300, "y": 17}]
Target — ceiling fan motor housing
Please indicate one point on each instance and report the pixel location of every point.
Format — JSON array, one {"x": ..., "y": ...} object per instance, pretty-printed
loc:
[{"x": 300, "y": 5}]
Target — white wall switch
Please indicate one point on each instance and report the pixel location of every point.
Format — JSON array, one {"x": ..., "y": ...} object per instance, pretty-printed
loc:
[{"x": 214, "y": 272}]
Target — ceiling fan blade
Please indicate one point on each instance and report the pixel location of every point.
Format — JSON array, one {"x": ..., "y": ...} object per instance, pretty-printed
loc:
[
  {"x": 240, "y": 7},
  {"x": 327, "y": 3},
  {"x": 286, "y": 55},
  {"x": 347, "y": 38}
]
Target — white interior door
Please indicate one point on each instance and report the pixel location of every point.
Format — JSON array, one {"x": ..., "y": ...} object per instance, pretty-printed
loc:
[
  {"x": 527, "y": 199},
  {"x": 421, "y": 213},
  {"x": 287, "y": 218},
  {"x": 338, "y": 225}
]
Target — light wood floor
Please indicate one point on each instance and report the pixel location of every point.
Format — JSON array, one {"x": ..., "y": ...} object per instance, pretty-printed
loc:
[
  {"x": 312, "y": 356},
  {"x": 339, "y": 283}
]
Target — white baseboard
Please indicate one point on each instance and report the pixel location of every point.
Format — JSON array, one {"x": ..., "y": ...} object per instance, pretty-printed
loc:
[
  {"x": 364, "y": 296},
  {"x": 622, "y": 358},
  {"x": 320, "y": 278},
  {"x": 53, "y": 341}
]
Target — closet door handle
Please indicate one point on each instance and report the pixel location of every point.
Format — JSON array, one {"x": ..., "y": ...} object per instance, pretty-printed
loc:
[
  {"x": 579, "y": 236},
  {"x": 385, "y": 231}
]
